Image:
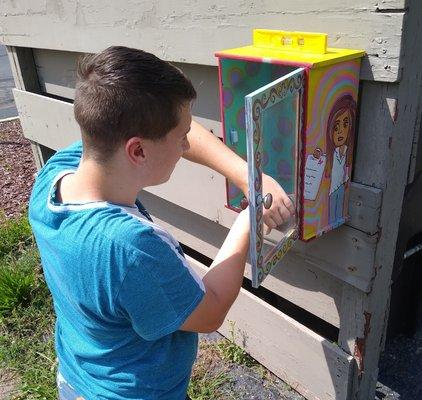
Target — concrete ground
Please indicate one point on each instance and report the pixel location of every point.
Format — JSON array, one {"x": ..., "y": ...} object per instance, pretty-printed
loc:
[
  {"x": 400, "y": 374},
  {"x": 7, "y": 105}
]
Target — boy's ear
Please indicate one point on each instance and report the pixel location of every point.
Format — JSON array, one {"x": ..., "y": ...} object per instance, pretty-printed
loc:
[{"x": 135, "y": 150}]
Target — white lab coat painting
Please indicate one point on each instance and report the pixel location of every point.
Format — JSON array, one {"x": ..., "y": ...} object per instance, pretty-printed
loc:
[
  {"x": 335, "y": 161},
  {"x": 339, "y": 176},
  {"x": 340, "y": 138}
]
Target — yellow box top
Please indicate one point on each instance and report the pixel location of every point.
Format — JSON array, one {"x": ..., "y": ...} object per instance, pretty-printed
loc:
[{"x": 304, "y": 48}]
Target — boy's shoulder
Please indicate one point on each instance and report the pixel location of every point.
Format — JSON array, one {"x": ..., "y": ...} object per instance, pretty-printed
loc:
[
  {"x": 123, "y": 225},
  {"x": 134, "y": 230},
  {"x": 66, "y": 158}
]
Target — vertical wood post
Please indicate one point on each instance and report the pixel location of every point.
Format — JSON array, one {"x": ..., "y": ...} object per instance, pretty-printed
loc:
[
  {"x": 26, "y": 78},
  {"x": 366, "y": 315}
]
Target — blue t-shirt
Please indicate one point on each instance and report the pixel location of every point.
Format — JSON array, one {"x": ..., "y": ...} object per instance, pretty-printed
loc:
[{"x": 121, "y": 289}]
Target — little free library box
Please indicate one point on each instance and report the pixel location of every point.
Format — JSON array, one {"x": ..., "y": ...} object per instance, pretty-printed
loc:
[{"x": 290, "y": 104}]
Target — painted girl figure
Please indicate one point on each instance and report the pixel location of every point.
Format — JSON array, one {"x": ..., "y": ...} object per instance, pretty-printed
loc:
[{"x": 340, "y": 139}]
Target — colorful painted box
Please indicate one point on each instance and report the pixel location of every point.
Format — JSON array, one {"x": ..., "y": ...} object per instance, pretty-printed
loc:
[{"x": 288, "y": 106}]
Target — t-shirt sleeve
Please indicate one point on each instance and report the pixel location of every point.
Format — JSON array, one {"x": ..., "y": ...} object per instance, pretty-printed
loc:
[{"x": 159, "y": 290}]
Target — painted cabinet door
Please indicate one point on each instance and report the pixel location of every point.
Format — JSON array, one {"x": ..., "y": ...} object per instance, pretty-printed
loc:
[{"x": 274, "y": 118}]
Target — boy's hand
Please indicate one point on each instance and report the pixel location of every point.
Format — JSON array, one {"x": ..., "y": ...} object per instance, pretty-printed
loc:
[{"x": 282, "y": 208}]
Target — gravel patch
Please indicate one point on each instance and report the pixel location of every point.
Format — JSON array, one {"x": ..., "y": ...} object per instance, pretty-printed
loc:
[
  {"x": 400, "y": 375},
  {"x": 17, "y": 169},
  {"x": 248, "y": 382}
]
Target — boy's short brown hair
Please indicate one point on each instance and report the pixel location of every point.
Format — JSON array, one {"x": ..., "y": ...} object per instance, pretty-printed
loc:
[{"x": 122, "y": 93}]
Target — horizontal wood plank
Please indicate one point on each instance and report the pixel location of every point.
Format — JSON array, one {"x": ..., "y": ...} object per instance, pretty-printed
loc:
[
  {"x": 57, "y": 71},
  {"x": 346, "y": 253},
  {"x": 46, "y": 121},
  {"x": 192, "y": 32},
  {"x": 312, "y": 365}
]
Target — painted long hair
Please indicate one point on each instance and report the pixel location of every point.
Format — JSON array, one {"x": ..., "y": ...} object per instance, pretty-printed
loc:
[{"x": 342, "y": 104}]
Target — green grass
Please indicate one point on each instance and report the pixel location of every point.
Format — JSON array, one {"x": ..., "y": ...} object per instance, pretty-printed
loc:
[
  {"x": 210, "y": 376},
  {"x": 15, "y": 235},
  {"x": 26, "y": 314},
  {"x": 210, "y": 380},
  {"x": 208, "y": 386},
  {"x": 17, "y": 281},
  {"x": 233, "y": 353}
]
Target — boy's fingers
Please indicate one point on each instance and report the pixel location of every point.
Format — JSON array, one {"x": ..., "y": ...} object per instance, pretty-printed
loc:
[
  {"x": 276, "y": 215},
  {"x": 289, "y": 205},
  {"x": 273, "y": 217},
  {"x": 267, "y": 229},
  {"x": 271, "y": 223},
  {"x": 285, "y": 214}
]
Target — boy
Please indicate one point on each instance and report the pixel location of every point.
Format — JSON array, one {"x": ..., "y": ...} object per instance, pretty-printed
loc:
[{"x": 128, "y": 304}]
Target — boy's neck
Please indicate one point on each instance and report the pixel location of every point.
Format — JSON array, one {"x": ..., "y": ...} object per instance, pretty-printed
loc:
[{"x": 96, "y": 182}]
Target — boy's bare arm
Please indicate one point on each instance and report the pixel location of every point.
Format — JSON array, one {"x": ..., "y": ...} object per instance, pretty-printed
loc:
[
  {"x": 223, "y": 280},
  {"x": 208, "y": 150}
]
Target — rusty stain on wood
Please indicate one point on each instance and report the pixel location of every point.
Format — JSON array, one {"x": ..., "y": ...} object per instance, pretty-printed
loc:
[{"x": 360, "y": 344}]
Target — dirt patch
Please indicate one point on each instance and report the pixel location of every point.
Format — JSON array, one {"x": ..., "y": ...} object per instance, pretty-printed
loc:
[
  {"x": 17, "y": 169},
  {"x": 8, "y": 383}
]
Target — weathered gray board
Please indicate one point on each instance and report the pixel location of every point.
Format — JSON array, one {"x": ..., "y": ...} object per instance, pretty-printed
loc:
[
  {"x": 346, "y": 253},
  {"x": 56, "y": 72},
  {"x": 313, "y": 366},
  {"x": 192, "y": 31},
  {"x": 57, "y": 76},
  {"x": 374, "y": 308},
  {"x": 377, "y": 116},
  {"x": 26, "y": 78}
]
